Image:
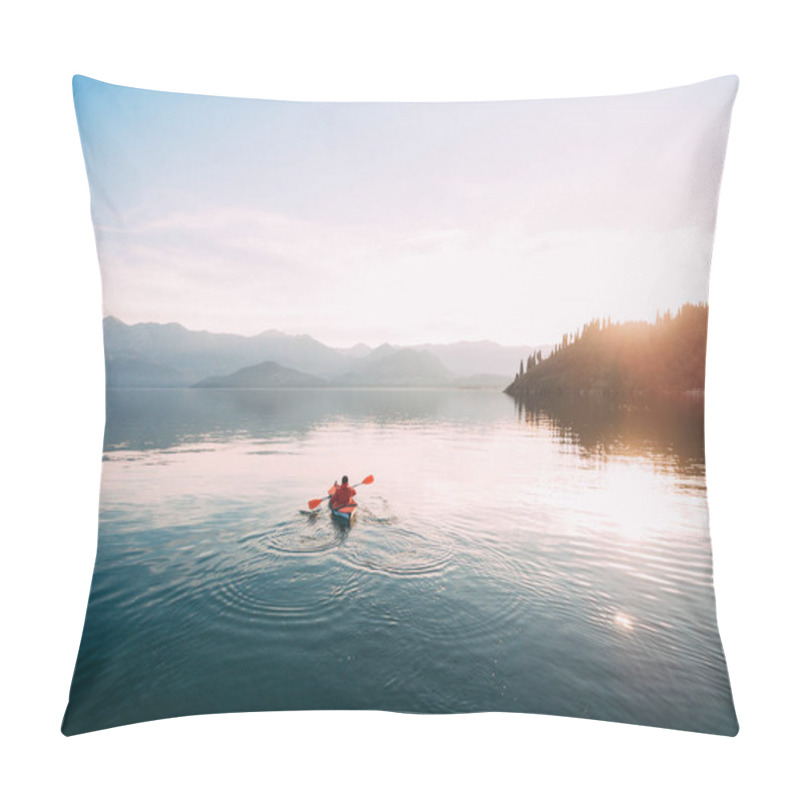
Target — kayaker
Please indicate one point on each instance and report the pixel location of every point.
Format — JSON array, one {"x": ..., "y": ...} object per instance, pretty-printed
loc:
[{"x": 343, "y": 493}]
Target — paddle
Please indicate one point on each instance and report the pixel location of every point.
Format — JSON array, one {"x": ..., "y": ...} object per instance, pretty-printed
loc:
[{"x": 312, "y": 504}]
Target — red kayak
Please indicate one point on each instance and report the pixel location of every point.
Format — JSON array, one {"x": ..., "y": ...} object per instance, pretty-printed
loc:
[{"x": 344, "y": 514}]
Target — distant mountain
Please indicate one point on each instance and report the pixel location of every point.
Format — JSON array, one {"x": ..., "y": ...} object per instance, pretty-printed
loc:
[
  {"x": 472, "y": 358},
  {"x": 388, "y": 366},
  {"x": 356, "y": 351},
  {"x": 162, "y": 355},
  {"x": 376, "y": 354},
  {"x": 384, "y": 367},
  {"x": 126, "y": 372},
  {"x": 483, "y": 362},
  {"x": 267, "y": 375},
  {"x": 195, "y": 355}
]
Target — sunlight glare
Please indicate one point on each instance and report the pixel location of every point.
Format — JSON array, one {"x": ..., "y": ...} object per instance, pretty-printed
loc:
[{"x": 623, "y": 621}]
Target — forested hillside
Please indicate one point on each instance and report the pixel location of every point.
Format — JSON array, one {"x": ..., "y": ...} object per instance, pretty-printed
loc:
[{"x": 622, "y": 359}]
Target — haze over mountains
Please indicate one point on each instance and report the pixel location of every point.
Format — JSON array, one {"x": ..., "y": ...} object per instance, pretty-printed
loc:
[{"x": 169, "y": 355}]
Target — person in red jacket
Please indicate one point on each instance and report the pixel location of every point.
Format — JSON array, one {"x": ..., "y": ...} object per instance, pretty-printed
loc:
[{"x": 342, "y": 494}]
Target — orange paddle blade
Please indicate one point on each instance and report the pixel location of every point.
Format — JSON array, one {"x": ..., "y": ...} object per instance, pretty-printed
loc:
[
  {"x": 314, "y": 503},
  {"x": 368, "y": 479}
]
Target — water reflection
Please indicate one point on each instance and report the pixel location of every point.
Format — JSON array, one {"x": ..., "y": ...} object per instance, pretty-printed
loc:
[
  {"x": 550, "y": 559},
  {"x": 671, "y": 429},
  {"x": 153, "y": 419}
]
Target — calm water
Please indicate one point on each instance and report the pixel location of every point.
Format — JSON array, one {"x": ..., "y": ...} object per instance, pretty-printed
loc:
[{"x": 506, "y": 559}]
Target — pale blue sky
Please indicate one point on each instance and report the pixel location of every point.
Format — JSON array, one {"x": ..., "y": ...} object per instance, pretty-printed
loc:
[{"x": 511, "y": 221}]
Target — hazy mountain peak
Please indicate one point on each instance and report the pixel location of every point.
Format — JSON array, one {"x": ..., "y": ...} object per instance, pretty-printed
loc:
[
  {"x": 359, "y": 350},
  {"x": 267, "y": 375},
  {"x": 272, "y": 333},
  {"x": 190, "y": 356}
]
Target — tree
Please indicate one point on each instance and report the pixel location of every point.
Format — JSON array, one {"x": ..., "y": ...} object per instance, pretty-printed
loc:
[{"x": 624, "y": 358}]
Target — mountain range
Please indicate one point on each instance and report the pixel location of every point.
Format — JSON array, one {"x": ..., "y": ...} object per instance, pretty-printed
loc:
[{"x": 170, "y": 355}]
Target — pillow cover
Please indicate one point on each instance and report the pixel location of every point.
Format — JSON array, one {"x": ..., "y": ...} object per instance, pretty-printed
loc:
[{"x": 404, "y": 407}]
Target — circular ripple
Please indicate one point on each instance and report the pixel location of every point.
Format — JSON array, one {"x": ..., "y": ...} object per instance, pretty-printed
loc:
[
  {"x": 285, "y": 595},
  {"x": 399, "y": 552},
  {"x": 481, "y": 604}
]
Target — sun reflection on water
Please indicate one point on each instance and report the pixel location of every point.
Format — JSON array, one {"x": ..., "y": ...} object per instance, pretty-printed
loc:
[{"x": 623, "y": 621}]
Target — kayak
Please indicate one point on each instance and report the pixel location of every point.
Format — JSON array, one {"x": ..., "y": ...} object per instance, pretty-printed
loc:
[{"x": 344, "y": 514}]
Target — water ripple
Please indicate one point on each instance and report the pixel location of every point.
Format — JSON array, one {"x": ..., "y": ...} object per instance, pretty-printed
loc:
[
  {"x": 400, "y": 552},
  {"x": 300, "y": 595},
  {"x": 297, "y": 541}
]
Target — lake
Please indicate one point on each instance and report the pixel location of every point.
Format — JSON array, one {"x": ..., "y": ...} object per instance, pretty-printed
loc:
[{"x": 548, "y": 560}]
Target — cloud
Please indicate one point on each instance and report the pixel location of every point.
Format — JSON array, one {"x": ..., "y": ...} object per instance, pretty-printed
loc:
[{"x": 244, "y": 270}]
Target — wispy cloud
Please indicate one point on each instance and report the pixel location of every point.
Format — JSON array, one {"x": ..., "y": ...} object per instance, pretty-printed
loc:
[
  {"x": 508, "y": 221},
  {"x": 402, "y": 284}
]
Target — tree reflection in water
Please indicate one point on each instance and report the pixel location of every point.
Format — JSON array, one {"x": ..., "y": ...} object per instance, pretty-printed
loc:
[{"x": 667, "y": 430}]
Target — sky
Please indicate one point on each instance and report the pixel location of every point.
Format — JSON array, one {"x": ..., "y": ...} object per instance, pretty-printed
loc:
[{"x": 514, "y": 221}]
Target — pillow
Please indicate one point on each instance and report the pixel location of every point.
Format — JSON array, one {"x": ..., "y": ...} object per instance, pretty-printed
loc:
[{"x": 404, "y": 407}]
